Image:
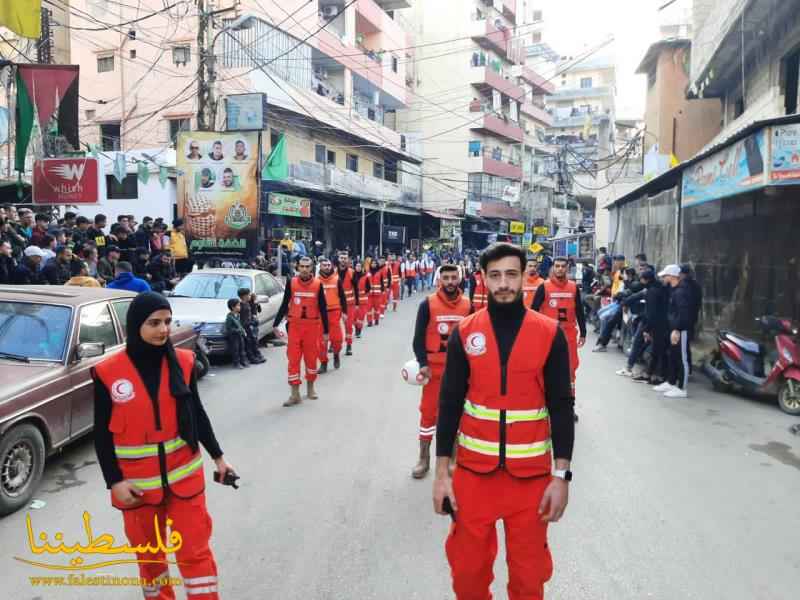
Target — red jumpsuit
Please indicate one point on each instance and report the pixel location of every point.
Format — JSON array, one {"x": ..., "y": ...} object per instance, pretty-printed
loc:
[
  {"x": 396, "y": 282},
  {"x": 375, "y": 296},
  {"x": 504, "y": 460},
  {"x": 304, "y": 329},
  {"x": 559, "y": 304},
  {"x": 138, "y": 441},
  {"x": 445, "y": 314},
  {"x": 480, "y": 297},
  {"x": 331, "y": 286},
  {"x": 346, "y": 278},
  {"x": 363, "y": 311}
]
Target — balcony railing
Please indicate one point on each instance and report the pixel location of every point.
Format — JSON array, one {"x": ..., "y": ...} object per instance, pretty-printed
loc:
[
  {"x": 488, "y": 77},
  {"x": 487, "y": 35},
  {"x": 328, "y": 178},
  {"x": 492, "y": 162},
  {"x": 538, "y": 113},
  {"x": 541, "y": 85},
  {"x": 500, "y": 126}
]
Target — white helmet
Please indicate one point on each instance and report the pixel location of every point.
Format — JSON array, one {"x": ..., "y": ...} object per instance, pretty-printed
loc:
[{"x": 411, "y": 373}]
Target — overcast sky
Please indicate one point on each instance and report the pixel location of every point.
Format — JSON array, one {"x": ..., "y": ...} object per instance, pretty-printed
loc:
[{"x": 574, "y": 26}]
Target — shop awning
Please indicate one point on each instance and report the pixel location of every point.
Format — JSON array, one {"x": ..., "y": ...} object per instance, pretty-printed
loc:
[
  {"x": 390, "y": 208},
  {"x": 440, "y": 215}
]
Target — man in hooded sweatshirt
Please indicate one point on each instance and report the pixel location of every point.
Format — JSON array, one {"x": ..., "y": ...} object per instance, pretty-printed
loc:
[{"x": 149, "y": 424}]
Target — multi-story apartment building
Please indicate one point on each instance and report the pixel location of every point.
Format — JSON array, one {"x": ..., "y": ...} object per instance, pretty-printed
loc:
[
  {"x": 585, "y": 98},
  {"x": 478, "y": 108},
  {"x": 335, "y": 73}
]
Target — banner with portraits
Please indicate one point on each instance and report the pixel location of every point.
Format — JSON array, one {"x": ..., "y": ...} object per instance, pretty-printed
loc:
[{"x": 218, "y": 192}]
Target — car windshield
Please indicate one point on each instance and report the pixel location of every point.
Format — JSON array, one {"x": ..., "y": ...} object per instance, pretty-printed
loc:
[
  {"x": 215, "y": 286},
  {"x": 33, "y": 331}
]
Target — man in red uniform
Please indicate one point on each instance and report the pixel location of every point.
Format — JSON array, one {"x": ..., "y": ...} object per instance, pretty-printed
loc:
[
  {"x": 437, "y": 316},
  {"x": 560, "y": 299},
  {"x": 410, "y": 268},
  {"x": 304, "y": 303},
  {"x": 375, "y": 293},
  {"x": 531, "y": 282},
  {"x": 506, "y": 397},
  {"x": 149, "y": 424},
  {"x": 336, "y": 301},
  {"x": 346, "y": 273},
  {"x": 478, "y": 294},
  {"x": 361, "y": 281},
  {"x": 394, "y": 267}
]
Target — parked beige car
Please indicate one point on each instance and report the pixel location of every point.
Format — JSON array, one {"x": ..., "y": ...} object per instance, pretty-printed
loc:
[{"x": 50, "y": 337}]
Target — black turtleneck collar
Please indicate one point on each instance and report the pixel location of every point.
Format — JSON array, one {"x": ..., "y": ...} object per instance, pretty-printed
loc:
[
  {"x": 506, "y": 323},
  {"x": 510, "y": 311}
]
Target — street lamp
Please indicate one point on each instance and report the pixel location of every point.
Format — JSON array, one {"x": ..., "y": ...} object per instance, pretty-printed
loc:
[{"x": 238, "y": 24}]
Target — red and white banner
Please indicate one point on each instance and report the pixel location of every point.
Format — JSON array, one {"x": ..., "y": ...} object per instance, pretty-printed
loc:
[{"x": 66, "y": 181}]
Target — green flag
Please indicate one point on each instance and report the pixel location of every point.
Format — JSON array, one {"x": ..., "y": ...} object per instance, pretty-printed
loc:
[
  {"x": 163, "y": 174},
  {"x": 24, "y": 123},
  {"x": 277, "y": 165},
  {"x": 142, "y": 172}
]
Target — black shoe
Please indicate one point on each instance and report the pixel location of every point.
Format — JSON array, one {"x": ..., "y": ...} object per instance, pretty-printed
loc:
[
  {"x": 369, "y": 324},
  {"x": 349, "y": 351},
  {"x": 358, "y": 333},
  {"x": 323, "y": 368},
  {"x": 641, "y": 378},
  {"x": 238, "y": 366},
  {"x": 336, "y": 362},
  {"x": 575, "y": 418}
]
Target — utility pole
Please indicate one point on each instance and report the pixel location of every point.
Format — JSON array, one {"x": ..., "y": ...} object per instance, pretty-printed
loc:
[{"x": 203, "y": 48}]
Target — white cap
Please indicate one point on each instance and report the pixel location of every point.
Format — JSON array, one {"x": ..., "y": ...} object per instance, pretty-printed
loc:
[
  {"x": 34, "y": 251},
  {"x": 671, "y": 270}
]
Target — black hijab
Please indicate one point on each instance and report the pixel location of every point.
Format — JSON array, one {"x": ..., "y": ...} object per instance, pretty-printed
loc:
[{"x": 148, "y": 358}]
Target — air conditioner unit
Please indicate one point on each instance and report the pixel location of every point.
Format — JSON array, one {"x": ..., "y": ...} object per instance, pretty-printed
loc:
[{"x": 329, "y": 12}]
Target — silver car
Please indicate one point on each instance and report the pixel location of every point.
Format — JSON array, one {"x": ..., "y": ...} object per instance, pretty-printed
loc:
[{"x": 201, "y": 300}]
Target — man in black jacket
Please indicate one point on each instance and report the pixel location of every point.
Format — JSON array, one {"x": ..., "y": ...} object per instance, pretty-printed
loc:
[
  {"x": 7, "y": 262},
  {"x": 58, "y": 270},
  {"x": 679, "y": 316},
  {"x": 655, "y": 328}
]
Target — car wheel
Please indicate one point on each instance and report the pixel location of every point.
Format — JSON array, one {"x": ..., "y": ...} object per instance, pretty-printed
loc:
[
  {"x": 201, "y": 363},
  {"x": 789, "y": 397},
  {"x": 22, "y": 456}
]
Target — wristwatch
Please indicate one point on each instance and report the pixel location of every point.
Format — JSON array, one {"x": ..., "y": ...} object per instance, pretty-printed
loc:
[{"x": 564, "y": 474}]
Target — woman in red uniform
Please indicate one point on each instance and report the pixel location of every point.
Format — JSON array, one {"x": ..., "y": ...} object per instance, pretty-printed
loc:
[{"x": 149, "y": 424}]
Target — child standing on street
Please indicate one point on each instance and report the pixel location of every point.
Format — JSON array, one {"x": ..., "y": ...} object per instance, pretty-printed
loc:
[
  {"x": 248, "y": 316},
  {"x": 235, "y": 334}
]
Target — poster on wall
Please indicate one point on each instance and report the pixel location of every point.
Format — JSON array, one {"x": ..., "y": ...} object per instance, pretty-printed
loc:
[
  {"x": 738, "y": 168},
  {"x": 289, "y": 206},
  {"x": 785, "y": 153},
  {"x": 218, "y": 192},
  {"x": 66, "y": 181}
]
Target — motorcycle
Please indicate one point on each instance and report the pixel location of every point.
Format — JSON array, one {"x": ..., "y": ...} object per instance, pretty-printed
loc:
[{"x": 743, "y": 364}]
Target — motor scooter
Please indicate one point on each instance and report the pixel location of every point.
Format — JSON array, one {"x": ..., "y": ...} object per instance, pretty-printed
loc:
[{"x": 743, "y": 364}]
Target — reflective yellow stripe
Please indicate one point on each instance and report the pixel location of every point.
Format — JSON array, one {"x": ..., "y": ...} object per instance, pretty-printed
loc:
[
  {"x": 512, "y": 450},
  {"x": 147, "y": 450},
  {"x": 512, "y": 416},
  {"x": 152, "y": 483}
]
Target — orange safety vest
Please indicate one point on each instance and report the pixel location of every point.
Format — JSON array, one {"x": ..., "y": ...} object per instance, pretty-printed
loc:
[
  {"x": 395, "y": 267},
  {"x": 480, "y": 297},
  {"x": 362, "y": 288},
  {"x": 445, "y": 314},
  {"x": 529, "y": 287},
  {"x": 411, "y": 269},
  {"x": 505, "y": 423},
  {"x": 305, "y": 303},
  {"x": 349, "y": 290},
  {"x": 559, "y": 304},
  {"x": 331, "y": 286},
  {"x": 139, "y": 440},
  {"x": 375, "y": 282}
]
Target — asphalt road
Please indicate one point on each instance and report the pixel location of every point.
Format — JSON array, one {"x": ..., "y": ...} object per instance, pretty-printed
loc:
[{"x": 672, "y": 499}]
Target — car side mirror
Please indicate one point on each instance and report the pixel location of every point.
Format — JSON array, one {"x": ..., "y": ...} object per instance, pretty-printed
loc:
[
  {"x": 262, "y": 298},
  {"x": 90, "y": 350}
]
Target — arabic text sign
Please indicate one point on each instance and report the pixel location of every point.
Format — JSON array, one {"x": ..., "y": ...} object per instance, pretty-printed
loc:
[
  {"x": 516, "y": 227},
  {"x": 289, "y": 206},
  {"x": 66, "y": 181},
  {"x": 218, "y": 192}
]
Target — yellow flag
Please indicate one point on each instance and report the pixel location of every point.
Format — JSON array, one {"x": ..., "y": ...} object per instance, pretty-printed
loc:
[
  {"x": 673, "y": 161},
  {"x": 23, "y": 17}
]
